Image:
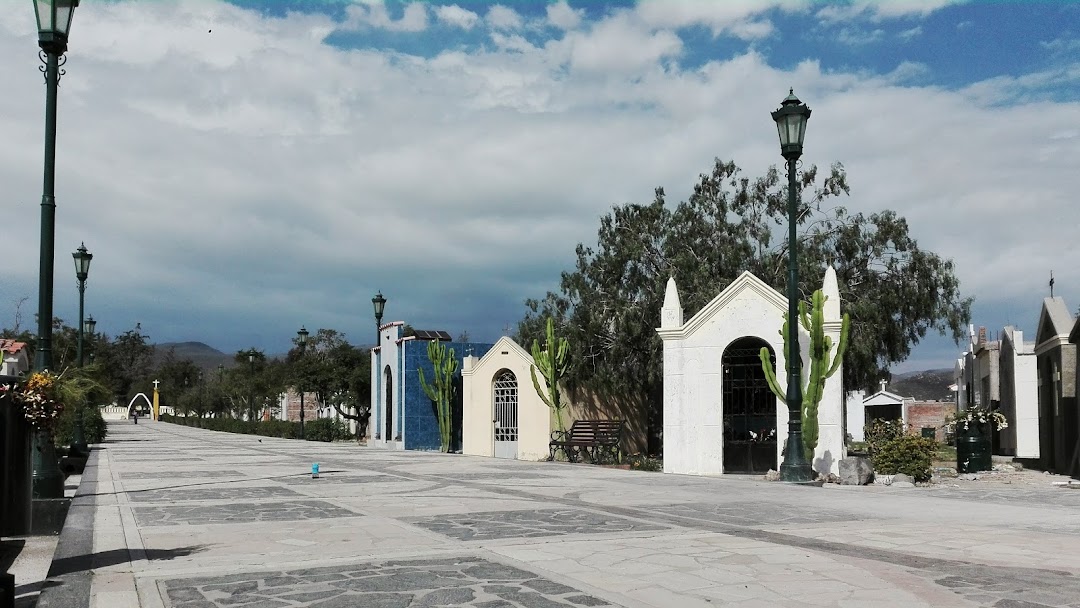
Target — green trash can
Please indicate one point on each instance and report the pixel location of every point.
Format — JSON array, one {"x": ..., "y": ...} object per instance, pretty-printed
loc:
[
  {"x": 16, "y": 501},
  {"x": 973, "y": 448}
]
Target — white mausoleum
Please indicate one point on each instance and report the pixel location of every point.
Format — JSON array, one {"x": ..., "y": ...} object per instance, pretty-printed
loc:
[
  {"x": 502, "y": 416},
  {"x": 719, "y": 414}
]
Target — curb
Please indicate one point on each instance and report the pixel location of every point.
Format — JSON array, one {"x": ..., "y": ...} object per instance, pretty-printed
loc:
[{"x": 68, "y": 582}]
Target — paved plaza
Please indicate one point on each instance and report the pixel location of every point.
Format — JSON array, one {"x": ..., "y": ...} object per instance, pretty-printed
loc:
[{"x": 170, "y": 516}]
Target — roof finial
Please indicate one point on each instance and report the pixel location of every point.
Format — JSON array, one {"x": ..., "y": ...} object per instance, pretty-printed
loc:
[{"x": 1051, "y": 283}]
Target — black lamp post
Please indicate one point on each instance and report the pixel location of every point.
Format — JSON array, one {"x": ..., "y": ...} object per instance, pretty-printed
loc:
[
  {"x": 54, "y": 22},
  {"x": 82, "y": 270},
  {"x": 251, "y": 395},
  {"x": 301, "y": 338},
  {"x": 89, "y": 326},
  {"x": 791, "y": 123},
  {"x": 379, "y": 302}
]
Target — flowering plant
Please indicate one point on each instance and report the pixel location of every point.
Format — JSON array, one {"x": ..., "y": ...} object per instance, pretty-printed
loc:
[
  {"x": 39, "y": 398},
  {"x": 963, "y": 419}
]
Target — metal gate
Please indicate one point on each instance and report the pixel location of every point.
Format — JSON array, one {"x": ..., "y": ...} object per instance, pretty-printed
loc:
[
  {"x": 505, "y": 406},
  {"x": 749, "y": 409}
]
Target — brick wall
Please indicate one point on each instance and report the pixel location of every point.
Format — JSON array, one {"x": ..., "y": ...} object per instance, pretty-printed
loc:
[
  {"x": 921, "y": 414},
  {"x": 292, "y": 406}
]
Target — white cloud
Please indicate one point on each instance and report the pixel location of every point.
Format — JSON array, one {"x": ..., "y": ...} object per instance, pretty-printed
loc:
[
  {"x": 621, "y": 44},
  {"x": 741, "y": 18},
  {"x": 456, "y": 16},
  {"x": 563, "y": 16},
  {"x": 910, "y": 34},
  {"x": 879, "y": 10},
  {"x": 240, "y": 182},
  {"x": 374, "y": 13},
  {"x": 503, "y": 18}
]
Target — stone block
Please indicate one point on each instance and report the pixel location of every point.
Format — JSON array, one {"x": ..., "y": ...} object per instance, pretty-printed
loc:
[
  {"x": 49, "y": 515},
  {"x": 902, "y": 478},
  {"x": 856, "y": 471}
]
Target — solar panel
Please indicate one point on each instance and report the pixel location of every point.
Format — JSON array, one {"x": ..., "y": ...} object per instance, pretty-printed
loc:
[{"x": 430, "y": 334}]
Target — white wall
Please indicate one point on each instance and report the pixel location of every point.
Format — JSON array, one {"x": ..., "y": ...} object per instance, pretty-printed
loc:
[{"x": 388, "y": 353}]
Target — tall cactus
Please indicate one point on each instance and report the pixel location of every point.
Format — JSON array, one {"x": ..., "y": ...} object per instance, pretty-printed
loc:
[
  {"x": 444, "y": 361},
  {"x": 821, "y": 368},
  {"x": 554, "y": 361}
]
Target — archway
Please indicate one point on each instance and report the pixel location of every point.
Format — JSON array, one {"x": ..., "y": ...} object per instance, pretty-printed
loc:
[
  {"x": 388, "y": 383},
  {"x": 505, "y": 414},
  {"x": 143, "y": 408},
  {"x": 748, "y": 408}
]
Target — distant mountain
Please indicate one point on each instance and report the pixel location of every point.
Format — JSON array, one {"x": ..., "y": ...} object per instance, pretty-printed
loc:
[
  {"x": 204, "y": 356},
  {"x": 928, "y": 385}
]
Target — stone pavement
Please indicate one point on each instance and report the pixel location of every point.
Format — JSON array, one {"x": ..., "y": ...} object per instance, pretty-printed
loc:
[{"x": 184, "y": 518}]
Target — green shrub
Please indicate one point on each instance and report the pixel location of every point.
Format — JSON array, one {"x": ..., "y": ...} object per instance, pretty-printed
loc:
[
  {"x": 264, "y": 428},
  {"x": 907, "y": 454},
  {"x": 878, "y": 432},
  {"x": 94, "y": 427},
  {"x": 326, "y": 429},
  {"x": 644, "y": 462}
]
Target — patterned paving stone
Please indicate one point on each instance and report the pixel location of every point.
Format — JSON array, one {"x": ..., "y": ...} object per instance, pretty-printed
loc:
[
  {"x": 1049, "y": 497},
  {"x": 501, "y": 477},
  {"x": 453, "y": 581},
  {"x": 218, "y": 493},
  {"x": 238, "y": 513},
  {"x": 527, "y": 524},
  {"x": 755, "y": 514},
  {"x": 156, "y": 475},
  {"x": 306, "y": 480}
]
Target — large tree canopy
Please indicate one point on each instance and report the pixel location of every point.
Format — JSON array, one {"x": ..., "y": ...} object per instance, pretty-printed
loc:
[{"x": 609, "y": 305}]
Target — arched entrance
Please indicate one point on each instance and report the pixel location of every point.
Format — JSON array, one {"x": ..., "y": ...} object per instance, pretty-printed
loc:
[
  {"x": 388, "y": 383},
  {"x": 748, "y": 409},
  {"x": 505, "y": 414}
]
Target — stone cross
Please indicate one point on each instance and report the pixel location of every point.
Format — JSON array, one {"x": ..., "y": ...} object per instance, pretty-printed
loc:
[
  {"x": 155, "y": 384},
  {"x": 884, "y": 383}
]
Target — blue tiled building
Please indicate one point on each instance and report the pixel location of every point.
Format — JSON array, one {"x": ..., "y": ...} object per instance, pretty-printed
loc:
[{"x": 402, "y": 416}]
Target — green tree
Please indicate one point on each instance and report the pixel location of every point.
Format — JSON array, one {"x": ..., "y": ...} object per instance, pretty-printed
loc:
[
  {"x": 127, "y": 362},
  {"x": 337, "y": 372},
  {"x": 608, "y": 306}
]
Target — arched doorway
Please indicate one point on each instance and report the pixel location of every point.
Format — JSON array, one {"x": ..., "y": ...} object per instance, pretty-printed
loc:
[
  {"x": 505, "y": 414},
  {"x": 748, "y": 409},
  {"x": 388, "y": 383}
]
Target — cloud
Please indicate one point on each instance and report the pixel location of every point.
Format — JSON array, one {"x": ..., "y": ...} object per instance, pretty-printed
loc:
[
  {"x": 740, "y": 18},
  {"x": 373, "y": 13},
  {"x": 456, "y": 16},
  {"x": 1065, "y": 45},
  {"x": 562, "y": 16},
  {"x": 910, "y": 34},
  {"x": 880, "y": 10},
  {"x": 234, "y": 185},
  {"x": 503, "y": 18}
]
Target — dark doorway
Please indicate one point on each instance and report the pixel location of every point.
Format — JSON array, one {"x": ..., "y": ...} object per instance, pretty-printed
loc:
[
  {"x": 749, "y": 409},
  {"x": 388, "y": 382}
]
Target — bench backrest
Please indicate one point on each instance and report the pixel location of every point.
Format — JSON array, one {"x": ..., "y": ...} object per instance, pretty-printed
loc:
[{"x": 608, "y": 431}]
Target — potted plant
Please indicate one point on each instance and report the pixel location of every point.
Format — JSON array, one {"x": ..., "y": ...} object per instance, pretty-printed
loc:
[{"x": 972, "y": 430}]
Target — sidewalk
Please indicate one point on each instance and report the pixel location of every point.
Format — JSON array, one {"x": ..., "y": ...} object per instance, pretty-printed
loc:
[{"x": 170, "y": 516}]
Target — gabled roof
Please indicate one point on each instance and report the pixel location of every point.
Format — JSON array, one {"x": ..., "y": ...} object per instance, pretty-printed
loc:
[
  {"x": 883, "y": 398},
  {"x": 507, "y": 345},
  {"x": 745, "y": 283},
  {"x": 8, "y": 345},
  {"x": 1055, "y": 320},
  {"x": 1074, "y": 336}
]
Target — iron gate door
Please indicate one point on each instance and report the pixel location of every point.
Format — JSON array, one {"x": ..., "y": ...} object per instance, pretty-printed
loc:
[
  {"x": 749, "y": 410},
  {"x": 506, "y": 415}
]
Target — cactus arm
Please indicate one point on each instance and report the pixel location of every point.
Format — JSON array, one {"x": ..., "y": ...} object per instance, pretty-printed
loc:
[
  {"x": 770, "y": 375},
  {"x": 841, "y": 348}
]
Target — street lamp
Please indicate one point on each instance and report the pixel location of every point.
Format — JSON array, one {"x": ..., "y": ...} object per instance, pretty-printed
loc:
[
  {"x": 54, "y": 22},
  {"x": 791, "y": 120},
  {"x": 251, "y": 394},
  {"x": 301, "y": 337},
  {"x": 379, "y": 302},
  {"x": 82, "y": 270}
]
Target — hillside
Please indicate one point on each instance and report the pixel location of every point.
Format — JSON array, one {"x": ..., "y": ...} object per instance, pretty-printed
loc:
[
  {"x": 923, "y": 386},
  {"x": 204, "y": 356}
]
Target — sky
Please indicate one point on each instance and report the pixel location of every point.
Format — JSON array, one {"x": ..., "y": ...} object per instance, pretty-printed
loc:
[{"x": 239, "y": 169}]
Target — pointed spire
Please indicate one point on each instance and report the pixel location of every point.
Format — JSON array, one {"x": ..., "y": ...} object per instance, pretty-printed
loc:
[
  {"x": 831, "y": 290},
  {"x": 671, "y": 316}
]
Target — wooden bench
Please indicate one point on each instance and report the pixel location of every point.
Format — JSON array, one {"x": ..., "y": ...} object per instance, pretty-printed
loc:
[{"x": 595, "y": 439}]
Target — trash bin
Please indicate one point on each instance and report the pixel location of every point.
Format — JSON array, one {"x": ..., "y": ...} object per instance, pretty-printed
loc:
[
  {"x": 973, "y": 448},
  {"x": 16, "y": 485}
]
